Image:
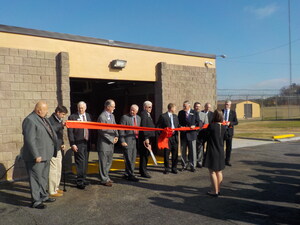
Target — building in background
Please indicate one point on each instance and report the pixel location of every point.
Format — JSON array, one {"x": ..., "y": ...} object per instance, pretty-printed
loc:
[
  {"x": 64, "y": 69},
  {"x": 243, "y": 109}
]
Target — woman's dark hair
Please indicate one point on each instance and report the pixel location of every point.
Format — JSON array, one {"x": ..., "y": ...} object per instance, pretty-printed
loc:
[{"x": 218, "y": 116}]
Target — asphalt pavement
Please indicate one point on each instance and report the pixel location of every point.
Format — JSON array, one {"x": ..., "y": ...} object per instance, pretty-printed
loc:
[{"x": 262, "y": 187}]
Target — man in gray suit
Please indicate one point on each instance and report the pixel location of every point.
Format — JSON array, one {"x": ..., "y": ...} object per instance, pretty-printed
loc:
[
  {"x": 105, "y": 143},
  {"x": 40, "y": 145},
  {"x": 129, "y": 141},
  {"x": 200, "y": 138}
]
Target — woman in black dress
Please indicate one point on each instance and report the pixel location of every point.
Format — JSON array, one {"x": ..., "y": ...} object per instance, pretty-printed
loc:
[{"x": 214, "y": 159}]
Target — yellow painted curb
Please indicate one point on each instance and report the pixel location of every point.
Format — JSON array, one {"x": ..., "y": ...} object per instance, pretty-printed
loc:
[
  {"x": 117, "y": 164},
  {"x": 283, "y": 136}
]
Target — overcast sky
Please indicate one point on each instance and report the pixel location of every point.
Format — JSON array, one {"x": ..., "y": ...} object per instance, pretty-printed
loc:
[{"x": 252, "y": 33}]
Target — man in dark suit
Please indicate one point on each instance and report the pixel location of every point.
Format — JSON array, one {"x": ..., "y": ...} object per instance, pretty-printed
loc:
[
  {"x": 106, "y": 141},
  {"x": 79, "y": 142},
  {"x": 188, "y": 118},
  {"x": 56, "y": 120},
  {"x": 146, "y": 138},
  {"x": 129, "y": 141},
  {"x": 169, "y": 119},
  {"x": 40, "y": 145},
  {"x": 208, "y": 112},
  {"x": 231, "y": 121}
]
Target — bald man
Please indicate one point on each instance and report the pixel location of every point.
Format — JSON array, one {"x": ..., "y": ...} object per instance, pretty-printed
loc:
[
  {"x": 40, "y": 145},
  {"x": 129, "y": 141}
]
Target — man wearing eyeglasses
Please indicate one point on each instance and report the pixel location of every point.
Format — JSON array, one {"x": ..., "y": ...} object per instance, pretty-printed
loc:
[
  {"x": 146, "y": 138},
  {"x": 231, "y": 120},
  {"x": 79, "y": 141}
]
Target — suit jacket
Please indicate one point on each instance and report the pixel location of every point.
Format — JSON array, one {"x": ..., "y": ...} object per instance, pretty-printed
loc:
[
  {"x": 107, "y": 135},
  {"x": 193, "y": 120},
  {"x": 146, "y": 121},
  {"x": 125, "y": 135},
  {"x": 38, "y": 142},
  {"x": 76, "y": 136},
  {"x": 165, "y": 121},
  {"x": 210, "y": 115},
  {"x": 233, "y": 122},
  {"x": 203, "y": 118},
  {"x": 58, "y": 128}
]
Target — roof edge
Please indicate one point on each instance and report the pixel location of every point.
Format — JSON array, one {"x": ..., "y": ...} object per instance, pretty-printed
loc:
[{"x": 91, "y": 40}]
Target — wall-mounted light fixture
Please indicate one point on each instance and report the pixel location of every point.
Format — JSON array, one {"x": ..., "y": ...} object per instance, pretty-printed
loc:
[
  {"x": 208, "y": 63},
  {"x": 118, "y": 64}
]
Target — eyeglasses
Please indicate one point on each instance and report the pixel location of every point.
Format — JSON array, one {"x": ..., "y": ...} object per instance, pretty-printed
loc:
[{"x": 149, "y": 107}]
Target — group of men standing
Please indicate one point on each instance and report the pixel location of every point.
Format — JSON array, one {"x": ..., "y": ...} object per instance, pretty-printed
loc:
[{"x": 43, "y": 141}]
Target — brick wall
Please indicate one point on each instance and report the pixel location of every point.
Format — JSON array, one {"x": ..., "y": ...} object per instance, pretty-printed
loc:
[
  {"x": 177, "y": 83},
  {"x": 27, "y": 76}
]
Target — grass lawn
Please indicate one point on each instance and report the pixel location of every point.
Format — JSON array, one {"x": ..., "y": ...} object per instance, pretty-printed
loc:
[{"x": 266, "y": 129}]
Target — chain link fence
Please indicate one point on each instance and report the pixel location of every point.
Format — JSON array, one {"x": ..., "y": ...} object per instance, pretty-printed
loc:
[{"x": 272, "y": 105}]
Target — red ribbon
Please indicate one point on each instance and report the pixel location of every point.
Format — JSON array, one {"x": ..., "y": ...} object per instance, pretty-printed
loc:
[{"x": 163, "y": 140}]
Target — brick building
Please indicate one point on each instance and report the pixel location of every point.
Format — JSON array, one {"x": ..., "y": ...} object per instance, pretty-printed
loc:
[{"x": 64, "y": 69}]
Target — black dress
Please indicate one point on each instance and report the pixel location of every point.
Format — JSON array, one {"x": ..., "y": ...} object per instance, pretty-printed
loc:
[{"x": 214, "y": 157}]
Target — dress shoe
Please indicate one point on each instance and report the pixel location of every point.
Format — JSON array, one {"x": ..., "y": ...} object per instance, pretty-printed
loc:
[
  {"x": 86, "y": 183},
  {"x": 228, "y": 164},
  {"x": 174, "y": 171},
  {"x": 133, "y": 178},
  {"x": 60, "y": 191},
  {"x": 184, "y": 168},
  {"x": 107, "y": 184},
  {"x": 166, "y": 171},
  {"x": 39, "y": 206},
  {"x": 56, "y": 195},
  {"x": 212, "y": 194},
  {"x": 49, "y": 200},
  {"x": 81, "y": 186},
  {"x": 146, "y": 175},
  {"x": 193, "y": 169}
]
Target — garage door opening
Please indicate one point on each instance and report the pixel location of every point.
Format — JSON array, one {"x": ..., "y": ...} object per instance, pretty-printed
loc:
[{"x": 95, "y": 92}]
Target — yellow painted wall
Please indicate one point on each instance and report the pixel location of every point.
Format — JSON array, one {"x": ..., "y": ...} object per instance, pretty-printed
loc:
[
  {"x": 240, "y": 109},
  {"x": 92, "y": 60}
]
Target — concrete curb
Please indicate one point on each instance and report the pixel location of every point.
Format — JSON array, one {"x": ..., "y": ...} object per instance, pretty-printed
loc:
[
  {"x": 288, "y": 139},
  {"x": 255, "y": 139}
]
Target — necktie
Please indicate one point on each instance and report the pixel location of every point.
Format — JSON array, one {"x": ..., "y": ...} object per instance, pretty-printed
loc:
[
  {"x": 135, "y": 131},
  {"x": 85, "y": 132},
  {"x": 48, "y": 127},
  {"x": 226, "y": 112},
  {"x": 172, "y": 121}
]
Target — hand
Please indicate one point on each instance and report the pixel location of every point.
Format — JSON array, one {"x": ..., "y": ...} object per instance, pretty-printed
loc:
[
  {"x": 38, "y": 159},
  {"x": 193, "y": 126},
  {"x": 62, "y": 147},
  {"x": 147, "y": 142},
  {"x": 74, "y": 148},
  {"x": 116, "y": 140},
  {"x": 124, "y": 144},
  {"x": 228, "y": 123}
]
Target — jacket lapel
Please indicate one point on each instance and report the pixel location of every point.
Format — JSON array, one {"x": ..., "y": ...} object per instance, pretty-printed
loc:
[{"x": 44, "y": 125}]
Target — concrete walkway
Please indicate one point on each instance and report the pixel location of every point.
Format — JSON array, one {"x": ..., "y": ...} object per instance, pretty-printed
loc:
[
  {"x": 241, "y": 143},
  {"x": 262, "y": 187}
]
